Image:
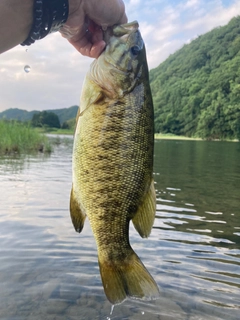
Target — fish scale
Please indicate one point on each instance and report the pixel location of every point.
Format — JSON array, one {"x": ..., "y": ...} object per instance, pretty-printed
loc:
[{"x": 113, "y": 162}]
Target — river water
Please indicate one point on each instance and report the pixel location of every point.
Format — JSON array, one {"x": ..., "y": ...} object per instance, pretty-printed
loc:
[{"x": 48, "y": 271}]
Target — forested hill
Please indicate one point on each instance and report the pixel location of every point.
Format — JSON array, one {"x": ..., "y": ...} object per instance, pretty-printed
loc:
[
  {"x": 196, "y": 91},
  {"x": 23, "y": 115}
]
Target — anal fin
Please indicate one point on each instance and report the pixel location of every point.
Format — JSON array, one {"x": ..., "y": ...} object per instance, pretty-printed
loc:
[
  {"x": 77, "y": 215},
  {"x": 144, "y": 218}
]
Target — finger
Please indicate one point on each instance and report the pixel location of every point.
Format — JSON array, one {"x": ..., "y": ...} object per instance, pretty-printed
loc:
[
  {"x": 123, "y": 19},
  {"x": 86, "y": 48},
  {"x": 90, "y": 44},
  {"x": 106, "y": 12}
]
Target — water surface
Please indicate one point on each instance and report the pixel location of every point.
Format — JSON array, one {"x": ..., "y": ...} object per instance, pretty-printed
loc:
[{"x": 48, "y": 271}]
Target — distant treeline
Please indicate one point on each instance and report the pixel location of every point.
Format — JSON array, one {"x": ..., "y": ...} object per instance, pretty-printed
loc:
[
  {"x": 45, "y": 119},
  {"x": 64, "y": 114},
  {"x": 196, "y": 91}
]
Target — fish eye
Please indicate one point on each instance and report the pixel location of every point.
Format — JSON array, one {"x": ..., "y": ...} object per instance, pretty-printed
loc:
[{"x": 135, "y": 50}]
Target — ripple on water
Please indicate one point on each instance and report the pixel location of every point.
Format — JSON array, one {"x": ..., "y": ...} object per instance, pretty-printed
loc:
[{"x": 48, "y": 271}]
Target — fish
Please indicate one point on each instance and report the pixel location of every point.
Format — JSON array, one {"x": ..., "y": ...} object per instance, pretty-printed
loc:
[{"x": 112, "y": 162}]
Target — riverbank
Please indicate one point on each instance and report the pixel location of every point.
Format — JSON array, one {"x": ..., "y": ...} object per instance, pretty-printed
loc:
[
  {"x": 167, "y": 136},
  {"x": 170, "y": 136},
  {"x": 18, "y": 137},
  {"x": 56, "y": 131}
]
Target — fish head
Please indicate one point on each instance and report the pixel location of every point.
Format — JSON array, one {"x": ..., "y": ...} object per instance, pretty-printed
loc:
[
  {"x": 124, "y": 47},
  {"x": 119, "y": 68}
]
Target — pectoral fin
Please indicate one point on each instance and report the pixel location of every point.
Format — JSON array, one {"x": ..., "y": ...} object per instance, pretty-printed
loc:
[
  {"x": 144, "y": 218},
  {"x": 77, "y": 215},
  {"x": 91, "y": 98}
]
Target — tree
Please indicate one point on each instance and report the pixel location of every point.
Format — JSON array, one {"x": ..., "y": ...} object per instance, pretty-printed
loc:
[
  {"x": 196, "y": 91},
  {"x": 45, "y": 118}
]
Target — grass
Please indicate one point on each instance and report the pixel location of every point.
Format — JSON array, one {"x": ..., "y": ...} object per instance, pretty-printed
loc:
[
  {"x": 61, "y": 131},
  {"x": 55, "y": 131},
  {"x": 17, "y": 137}
]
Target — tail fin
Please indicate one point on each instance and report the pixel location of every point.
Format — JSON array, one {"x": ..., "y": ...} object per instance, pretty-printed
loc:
[{"x": 127, "y": 278}]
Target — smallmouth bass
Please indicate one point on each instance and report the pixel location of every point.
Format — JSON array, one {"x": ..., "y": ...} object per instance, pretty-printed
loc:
[{"x": 113, "y": 162}]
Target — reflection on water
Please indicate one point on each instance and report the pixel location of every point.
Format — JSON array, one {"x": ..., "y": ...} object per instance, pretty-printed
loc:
[{"x": 48, "y": 271}]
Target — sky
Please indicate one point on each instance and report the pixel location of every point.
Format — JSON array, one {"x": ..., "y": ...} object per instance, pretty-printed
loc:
[{"x": 58, "y": 70}]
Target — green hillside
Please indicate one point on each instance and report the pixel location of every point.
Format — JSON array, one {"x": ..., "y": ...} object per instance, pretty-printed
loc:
[
  {"x": 23, "y": 115},
  {"x": 17, "y": 114},
  {"x": 66, "y": 113},
  {"x": 196, "y": 91}
]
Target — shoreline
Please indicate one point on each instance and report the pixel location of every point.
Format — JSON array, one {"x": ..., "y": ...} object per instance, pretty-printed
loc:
[
  {"x": 159, "y": 136},
  {"x": 170, "y": 136}
]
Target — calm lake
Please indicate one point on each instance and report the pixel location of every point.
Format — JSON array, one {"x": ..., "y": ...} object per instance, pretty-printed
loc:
[{"x": 48, "y": 271}]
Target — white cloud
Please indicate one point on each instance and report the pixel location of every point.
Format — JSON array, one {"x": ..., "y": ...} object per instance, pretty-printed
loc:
[
  {"x": 181, "y": 23},
  {"x": 192, "y": 3},
  {"x": 165, "y": 32}
]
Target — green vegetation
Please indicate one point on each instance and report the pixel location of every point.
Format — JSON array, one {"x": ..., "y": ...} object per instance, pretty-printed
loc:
[
  {"x": 196, "y": 91},
  {"x": 59, "y": 121},
  {"x": 69, "y": 124},
  {"x": 170, "y": 136},
  {"x": 45, "y": 119},
  {"x": 60, "y": 131},
  {"x": 23, "y": 115},
  {"x": 17, "y": 137},
  {"x": 17, "y": 114},
  {"x": 48, "y": 122},
  {"x": 66, "y": 113}
]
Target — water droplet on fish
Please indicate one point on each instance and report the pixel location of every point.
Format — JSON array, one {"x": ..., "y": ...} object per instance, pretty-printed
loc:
[
  {"x": 142, "y": 312},
  {"x": 27, "y": 68}
]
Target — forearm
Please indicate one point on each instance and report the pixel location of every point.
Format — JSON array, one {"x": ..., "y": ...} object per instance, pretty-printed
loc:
[
  {"x": 16, "y": 18},
  {"x": 80, "y": 22}
]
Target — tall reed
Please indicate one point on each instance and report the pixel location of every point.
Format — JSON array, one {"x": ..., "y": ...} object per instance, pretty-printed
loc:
[{"x": 17, "y": 137}]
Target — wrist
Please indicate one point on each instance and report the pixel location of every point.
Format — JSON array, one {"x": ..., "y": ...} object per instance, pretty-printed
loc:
[{"x": 48, "y": 17}]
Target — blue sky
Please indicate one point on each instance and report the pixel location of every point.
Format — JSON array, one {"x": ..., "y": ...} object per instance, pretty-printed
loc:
[{"x": 58, "y": 70}]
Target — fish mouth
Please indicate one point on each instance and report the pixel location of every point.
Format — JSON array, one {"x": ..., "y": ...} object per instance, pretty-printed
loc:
[
  {"x": 129, "y": 35},
  {"x": 119, "y": 30},
  {"x": 126, "y": 28},
  {"x": 123, "y": 31}
]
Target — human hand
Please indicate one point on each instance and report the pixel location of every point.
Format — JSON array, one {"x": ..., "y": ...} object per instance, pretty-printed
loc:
[{"x": 83, "y": 29}]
